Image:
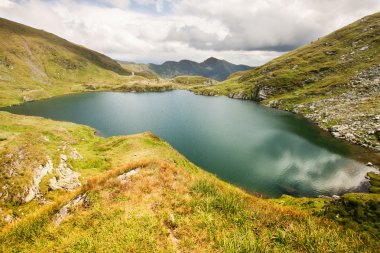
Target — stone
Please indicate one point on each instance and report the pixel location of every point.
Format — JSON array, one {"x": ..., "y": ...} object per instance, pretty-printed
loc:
[
  {"x": 81, "y": 200},
  {"x": 125, "y": 176},
  {"x": 10, "y": 218},
  {"x": 75, "y": 155},
  {"x": 67, "y": 179},
  {"x": 39, "y": 174},
  {"x": 27, "y": 99},
  {"x": 329, "y": 53},
  {"x": 369, "y": 164}
]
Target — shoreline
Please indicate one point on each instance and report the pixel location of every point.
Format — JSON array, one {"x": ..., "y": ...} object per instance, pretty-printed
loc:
[
  {"x": 374, "y": 153},
  {"x": 352, "y": 147}
]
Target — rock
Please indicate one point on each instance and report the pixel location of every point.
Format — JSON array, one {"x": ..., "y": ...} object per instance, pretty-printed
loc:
[
  {"x": 27, "y": 99},
  {"x": 330, "y": 52},
  {"x": 363, "y": 48},
  {"x": 75, "y": 155},
  {"x": 369, "y": 164},
  {"x": 90, "y": 87},
  {"x": 125, "y": 176},
  {"x": 308, "y": 81},
  {"x": 324, "y": 197},
  {"x": 349, "y": 136},
  {"x": 10, "y": 218},
  {"x": 335, "y": 197},
  {"x": 39, "y": 174},
  {"x": 67, "y": 179},
  {"x": 273, "y": 103},
  {"x": 239, "y": 95},
  {"x": 81, "y": 200},
  {"x": 338, "y": 128}
]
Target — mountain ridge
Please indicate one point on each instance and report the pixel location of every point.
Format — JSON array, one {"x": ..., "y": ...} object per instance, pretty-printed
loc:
[{"x": 212, "y": 68}]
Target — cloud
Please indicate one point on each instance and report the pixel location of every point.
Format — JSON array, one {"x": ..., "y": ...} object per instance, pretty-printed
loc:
[
  {"x": 270, "y": 25},
  {"x": 243, "y": 31}
]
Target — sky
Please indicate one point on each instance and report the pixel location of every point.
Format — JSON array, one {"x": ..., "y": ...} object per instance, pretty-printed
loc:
[{"x": 248, "y": 32}]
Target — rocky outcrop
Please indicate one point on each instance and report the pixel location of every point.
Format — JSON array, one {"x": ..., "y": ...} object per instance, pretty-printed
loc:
[
  {"x": 81, "y": 200},
  {"x": 346, "y": 116},
  {"x": 22, "y": 184},
  {"x": 9, "y": 218},
  {"x": 74, "y": 154},
  {"x": 353, "y": 114},
  {"x": 39, "y": 174},
  {"x": 66, "y": 178},
  {"x": 239, "y": 95},
  {"x": 124, "y": 177}
]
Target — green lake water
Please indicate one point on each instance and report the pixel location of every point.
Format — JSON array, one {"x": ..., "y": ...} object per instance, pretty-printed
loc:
[{"x": 259, "y": 149}]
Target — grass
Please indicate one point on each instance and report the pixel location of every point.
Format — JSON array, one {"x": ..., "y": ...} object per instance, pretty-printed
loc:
[
  {"x": 35, "y": 64},
  {"x": 170, "y": 205},
  {"x": 309, "y": 72}
]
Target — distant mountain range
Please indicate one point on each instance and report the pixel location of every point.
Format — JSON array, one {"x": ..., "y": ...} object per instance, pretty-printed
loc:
[{"x": 211, "y": 68}]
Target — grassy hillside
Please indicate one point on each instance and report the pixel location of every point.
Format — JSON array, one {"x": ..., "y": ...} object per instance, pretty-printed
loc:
[
  {"x": 211, "y": 68},
  {"x": 333, "y": 81},
  {"x": 139, "y": 70},
  {"x": 194, "y": 80},
  {"x": 35, "y": 64},
  {"x": 167, "y": 205}
]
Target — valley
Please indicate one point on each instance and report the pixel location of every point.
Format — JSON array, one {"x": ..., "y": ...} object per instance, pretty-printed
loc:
[{"x": 68, "y": 187}]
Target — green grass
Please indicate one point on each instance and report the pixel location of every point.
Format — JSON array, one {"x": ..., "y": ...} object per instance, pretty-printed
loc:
[
  {"x": 35, "y": 64},
  {"x": 209, "y": 215},
  {"x": 308, "y": 72}
]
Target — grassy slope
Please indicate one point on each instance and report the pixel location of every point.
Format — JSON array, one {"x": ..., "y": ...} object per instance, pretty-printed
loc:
[
  {"x": 209, "y": 215},
  {"x": 313, "y": 70},
  {"x": 35, "y": 64},
  {"x": 139, "y": 70},
  {"x": 170, "y": 205}
]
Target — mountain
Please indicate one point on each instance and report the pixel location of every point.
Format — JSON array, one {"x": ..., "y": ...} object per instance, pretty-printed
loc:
[
  {"x": 333, "y": 81},
  {"x": 65, "y": 189},
  {"x": 212, "y": 68},
  {"x": 138, "y": 69},
  {"x": 35, "y": 64}
]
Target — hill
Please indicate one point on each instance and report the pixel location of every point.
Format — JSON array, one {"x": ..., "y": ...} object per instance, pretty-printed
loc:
[
  {"x": 68, "y": 190},
  {"x": 212, "y": 68},
  {"x": 139, "y": 70},
  {"x": 333, "y": 81},
  {"x": 36, "y": 64}
]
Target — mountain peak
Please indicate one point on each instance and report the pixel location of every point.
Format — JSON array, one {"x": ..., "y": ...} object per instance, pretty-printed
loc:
[
  {"x": 211, "y": 68},
  {"x": 211, "y": 60}
]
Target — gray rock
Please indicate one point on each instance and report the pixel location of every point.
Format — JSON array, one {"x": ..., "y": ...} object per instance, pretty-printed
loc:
[
  {"x": 39, "y": 174},
  {"x": 10, "y": 218},
  {"x": 27, "y": 99},
  {"x": 81, "y": 200},
  {"x": 67, "y": 179},
  {"x": 75, "y": 155},
  {"x": 125, "y": 176}
]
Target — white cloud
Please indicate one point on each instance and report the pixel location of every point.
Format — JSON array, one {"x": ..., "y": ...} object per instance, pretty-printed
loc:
[{"x": 242, "y": 31}]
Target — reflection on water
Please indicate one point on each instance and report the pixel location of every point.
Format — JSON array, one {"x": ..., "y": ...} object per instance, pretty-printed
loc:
[{"x": 260, "y": 149}]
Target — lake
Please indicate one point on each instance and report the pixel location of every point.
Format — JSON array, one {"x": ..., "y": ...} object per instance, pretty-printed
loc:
[{"x": 257, "y": 148}]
